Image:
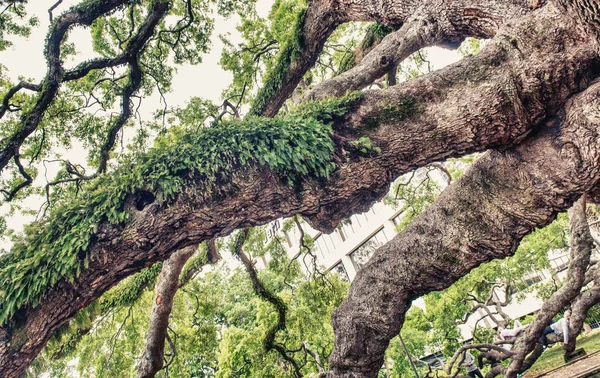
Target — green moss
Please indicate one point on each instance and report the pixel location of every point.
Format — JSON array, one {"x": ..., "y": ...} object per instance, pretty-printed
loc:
[
  {"x": 296, "y": 145},
  {"x": 199, "y": 259},
  {"x": 128, "y": 292},
  {"x": 395, "y": 112},
  {"x": 375, "y": 33},
  {"x": 364, "y": 145},
  {"x": 290, "y": 51}
]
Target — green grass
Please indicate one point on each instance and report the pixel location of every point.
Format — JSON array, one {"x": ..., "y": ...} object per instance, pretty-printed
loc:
[{"x": 553, "y": 357}]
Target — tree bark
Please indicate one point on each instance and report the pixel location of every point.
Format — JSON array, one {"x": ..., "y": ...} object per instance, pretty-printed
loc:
[
  {"x": 430, "y": 24},
  {"x": 514, "y": 191},
  {"x": 580, "y": 252},
  {"x": 580, "y": 308},
  {"x": 490, "y": 100},
  {"x": 458, "y": 20},
  {"x": 168, "y": 282}
]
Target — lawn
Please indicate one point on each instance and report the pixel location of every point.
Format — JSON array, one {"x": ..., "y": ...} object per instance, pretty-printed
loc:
[{"x": 553, "y": 357}]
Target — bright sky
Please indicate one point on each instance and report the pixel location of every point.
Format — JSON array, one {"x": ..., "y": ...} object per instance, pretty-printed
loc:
[{"x": 207, "y": 80}]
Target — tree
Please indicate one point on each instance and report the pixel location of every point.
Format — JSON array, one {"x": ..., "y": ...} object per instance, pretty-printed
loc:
[
  {"x": 528, "y": 98},
  {"x": 219, "y": 324}
]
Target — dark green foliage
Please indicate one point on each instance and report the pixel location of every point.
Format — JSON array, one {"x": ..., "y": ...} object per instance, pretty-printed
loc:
[
  {"x": 375, "y": 33},
  {"x": 290, "y": 51},
  {"x": 394, "y": 113},
  {"x": 296, "y": 145}
]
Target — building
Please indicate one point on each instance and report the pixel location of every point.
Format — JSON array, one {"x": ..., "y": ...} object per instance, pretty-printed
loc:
[{"x": 351, "y": 245}]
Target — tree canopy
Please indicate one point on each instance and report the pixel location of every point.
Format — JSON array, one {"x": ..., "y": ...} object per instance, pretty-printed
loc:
[{"x": 299, "y": 134}]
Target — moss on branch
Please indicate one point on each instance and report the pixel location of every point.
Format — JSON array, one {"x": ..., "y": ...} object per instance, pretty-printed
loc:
[
  {"x": 291, "y": 50},
  {"x": 295, "y": 146}
]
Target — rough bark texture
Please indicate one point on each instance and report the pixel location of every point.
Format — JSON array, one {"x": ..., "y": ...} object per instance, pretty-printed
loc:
[
  {"x": 523, "y": 77},
  {"x": 428, "y": 25},
  {"x": 456, "y": 22},
  {"x": 516, "y": 190},
  {"x": 153, "y": 355},
  {"x": 580, "y": 252},
  {"x": 580, "y": 308}
]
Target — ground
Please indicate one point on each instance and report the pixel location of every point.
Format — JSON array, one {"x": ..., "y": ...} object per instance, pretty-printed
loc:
[
  {"x": 588, "y": 367},
  {"x": 551, "y": 364}
]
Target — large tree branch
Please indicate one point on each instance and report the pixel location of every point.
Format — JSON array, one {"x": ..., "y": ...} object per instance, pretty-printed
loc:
[
  {"x": 580, "y": 252},
  {"x": 152, "y": 358},
  {"x": 458, "y": 20},
  {"x": 481, "y": 217},
  {"x": 425, "y": 120},
  {"x": 428, "y": 25}
]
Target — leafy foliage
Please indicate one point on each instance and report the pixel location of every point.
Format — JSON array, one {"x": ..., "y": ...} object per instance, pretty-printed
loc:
[
  {"x": 13, "y": 21},
  {"x": 295, "y": 145},
  {"x": 218, "y": 324},
  {"x": 291, "y": 48}
]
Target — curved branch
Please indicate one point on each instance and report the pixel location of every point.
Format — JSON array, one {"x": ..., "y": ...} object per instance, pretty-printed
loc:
[
  {"x": 580, "y": 252},
  {"x": 55, "y": 75},
  {"x": 409, "y": 136},
  {"x": 8, "y": 196},
  {"x": 264, "y": 294},
  {"x": 22, "y": 85},
  {"x": 81, "y": 14}
]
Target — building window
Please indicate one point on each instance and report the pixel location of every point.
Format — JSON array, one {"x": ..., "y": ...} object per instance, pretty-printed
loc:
[
  {"x": 362, "y": 254},
  {"x": 534, "y": 278},
  {"x": 287, "y": 238},
  {"x": 341, "y": 271},
  {"x": 331, "y": 244},
  {"x": 560, "y": 263},
  {"x": 320, "y": 247},
  {"x": 348, "y": 227}
]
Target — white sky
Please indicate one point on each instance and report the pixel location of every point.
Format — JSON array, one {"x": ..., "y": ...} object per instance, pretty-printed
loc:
[{"x": 207, "y": 80}]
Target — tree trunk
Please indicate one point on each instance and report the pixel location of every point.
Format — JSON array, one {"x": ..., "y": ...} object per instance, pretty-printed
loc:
[
  {"x": 515, "y": 190},
  {"x": 168, "y": 282}
]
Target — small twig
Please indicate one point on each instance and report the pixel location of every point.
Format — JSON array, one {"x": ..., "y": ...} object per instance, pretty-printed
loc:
[{"x": 52, "y": 9}]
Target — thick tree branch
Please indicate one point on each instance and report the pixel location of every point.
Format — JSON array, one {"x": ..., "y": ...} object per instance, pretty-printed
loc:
[
  {"x": 152, "y": 358},
  {"x": 422, "y": 121},
  {"x": 580, "y": 252},
  {"x": 514, "y": 191},
  {"x": 458, "y": 20},
  {"x": 431, "y": 24}
]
